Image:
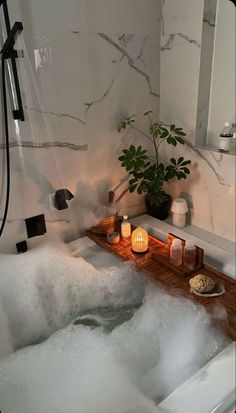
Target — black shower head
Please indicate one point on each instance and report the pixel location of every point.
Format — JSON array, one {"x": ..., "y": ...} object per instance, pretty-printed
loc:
[
  {"x": 60, "y": 198},
  {"x": 9, "y": 43}
]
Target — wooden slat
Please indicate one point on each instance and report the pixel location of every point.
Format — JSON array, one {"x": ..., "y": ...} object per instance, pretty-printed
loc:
[{"x": 175, "y": 283}]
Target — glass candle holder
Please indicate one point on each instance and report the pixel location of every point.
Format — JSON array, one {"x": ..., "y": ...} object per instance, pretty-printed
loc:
[{"x": 139, "y": 241}]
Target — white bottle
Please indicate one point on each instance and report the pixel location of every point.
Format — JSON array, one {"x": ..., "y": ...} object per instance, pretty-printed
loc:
[
  {"x": 176, "y": 252},
  {"x": 225, "y": 138},
  {"x": 189, "y": 255},
  {"x": 125, "y": 227}
]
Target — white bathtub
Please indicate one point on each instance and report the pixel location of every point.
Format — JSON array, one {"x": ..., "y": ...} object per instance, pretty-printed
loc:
[{"x": 212, "y": 388}]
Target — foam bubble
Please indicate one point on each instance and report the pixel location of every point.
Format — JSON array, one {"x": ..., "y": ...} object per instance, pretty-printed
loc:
[
  {"x": 45, "y": 289},
  {"x": 5, "y": 337},
  {"x": 74, "y": 371},
  {"x": 90, "y": 369}
]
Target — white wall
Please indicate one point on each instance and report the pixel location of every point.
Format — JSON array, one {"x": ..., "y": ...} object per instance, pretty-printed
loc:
[
  {"x": 211, "y": 185},
  {"x": 86, "y": 64}
]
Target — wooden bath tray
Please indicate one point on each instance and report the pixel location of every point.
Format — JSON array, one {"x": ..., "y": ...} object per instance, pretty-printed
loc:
[
  {"x": 162, "y": 255},
  {"x": 175, "y": 283}
]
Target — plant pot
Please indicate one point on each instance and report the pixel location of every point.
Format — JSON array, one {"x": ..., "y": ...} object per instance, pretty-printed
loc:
[{"x": 161, "y": 211}]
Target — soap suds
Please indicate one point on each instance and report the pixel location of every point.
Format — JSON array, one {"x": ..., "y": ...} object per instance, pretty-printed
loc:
[{"x": 114, "y": 365}]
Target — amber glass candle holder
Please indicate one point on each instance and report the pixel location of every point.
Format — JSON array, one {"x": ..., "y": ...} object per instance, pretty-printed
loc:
[{"x": 139, "y": 241}]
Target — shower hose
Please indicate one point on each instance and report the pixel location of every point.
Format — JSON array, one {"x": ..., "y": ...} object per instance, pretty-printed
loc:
[{"x": 5, "y": 119}]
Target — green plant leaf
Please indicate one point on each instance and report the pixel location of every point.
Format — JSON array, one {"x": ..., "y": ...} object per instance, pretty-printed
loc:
[
  {"x": 132, "y": 188},
  {"x": 146, "y": 173},
  {"x": 185, "y": 170},
  {"x": 134, "y": 159},
  {"x": 185, "y": 163},
  {"x": 180, "y": 133},
  {"x": 180, "y": 160},
  {"x": 180, "y": 140}
]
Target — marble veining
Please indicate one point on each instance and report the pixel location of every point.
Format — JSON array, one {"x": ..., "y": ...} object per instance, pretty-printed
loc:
[
  {"x": 200, "y": 153},
  {"x": 58, "y": 115},
  {"x": 170, "y": 42},
  {"x": 140, "y": 55},
  {"x": 131, "y": 62},
  {"x": 125, "y": 39},
  {"x": 105, "y": 94},
  {"x": 45, "y": 145},
  {"x": 218, "y": 159}
]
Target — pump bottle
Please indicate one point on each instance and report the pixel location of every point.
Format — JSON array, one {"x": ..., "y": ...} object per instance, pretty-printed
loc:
[{"x": 125, "y": 227}]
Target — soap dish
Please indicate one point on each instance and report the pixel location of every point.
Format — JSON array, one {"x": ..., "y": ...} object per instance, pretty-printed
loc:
[{"x": 218, "y": 290}]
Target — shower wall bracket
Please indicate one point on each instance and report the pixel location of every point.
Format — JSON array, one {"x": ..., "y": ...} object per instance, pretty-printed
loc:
[{"x": 8, "y": 52}]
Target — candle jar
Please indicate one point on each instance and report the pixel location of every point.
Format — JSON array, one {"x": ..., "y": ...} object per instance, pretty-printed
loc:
[
  {"x": 113, "y": 237},
  {"x": 139, "y": 241}
]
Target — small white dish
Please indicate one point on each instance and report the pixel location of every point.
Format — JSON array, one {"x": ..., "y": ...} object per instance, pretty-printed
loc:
[{"x": 219, "y": 289}]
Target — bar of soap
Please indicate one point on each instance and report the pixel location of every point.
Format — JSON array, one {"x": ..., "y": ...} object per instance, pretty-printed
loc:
[
  {"x": 201, "y": 283},
  {"x": 113, "y": 237}
]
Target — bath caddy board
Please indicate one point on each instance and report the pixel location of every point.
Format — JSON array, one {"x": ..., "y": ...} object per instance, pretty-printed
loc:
[
  {"x": 162, "y": 254},
  {"x": 157, "y": 270}
]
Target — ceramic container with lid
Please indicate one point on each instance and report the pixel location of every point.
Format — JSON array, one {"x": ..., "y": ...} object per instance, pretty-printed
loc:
[{"x": 179, "y": 210}]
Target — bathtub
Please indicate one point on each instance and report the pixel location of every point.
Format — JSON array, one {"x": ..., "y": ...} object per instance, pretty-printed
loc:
[
  {"x": 212, "y": 388},
  {"x": 217, "y": 379}
]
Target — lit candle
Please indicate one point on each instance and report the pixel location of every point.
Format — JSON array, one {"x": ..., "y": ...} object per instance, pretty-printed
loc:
[{"x": 139, "y": 240}]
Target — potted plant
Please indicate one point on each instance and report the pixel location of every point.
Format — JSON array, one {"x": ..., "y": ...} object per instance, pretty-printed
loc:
[{"x": 147, "y": 172}]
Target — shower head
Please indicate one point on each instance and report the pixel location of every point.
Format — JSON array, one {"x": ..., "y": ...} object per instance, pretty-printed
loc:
[{"x": 10, "y": 42}]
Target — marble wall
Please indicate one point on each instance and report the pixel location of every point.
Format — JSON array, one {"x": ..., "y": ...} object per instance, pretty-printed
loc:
[
  {"x": 211, "y": 185},
  {"x": 86, "y": 64}
]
